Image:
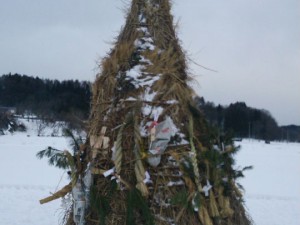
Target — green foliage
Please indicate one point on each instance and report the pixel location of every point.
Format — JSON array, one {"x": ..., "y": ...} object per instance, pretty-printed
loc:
[
  {"x": 181, "y": 199},
  {"x": 218, "y": 161},
  {"x": 240, "y": 173},
  {"x": 187, "y": 168},
  {"x": 59, "y": 158},
  {"x": 137, "y": 203},
  {"x": 55, "y": 157},
  {"x": 75, "y": 141},
  {"x": 100, "y": 203}
]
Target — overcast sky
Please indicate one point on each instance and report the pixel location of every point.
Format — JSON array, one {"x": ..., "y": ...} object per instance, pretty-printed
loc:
[{"x": 254, "y": 45}]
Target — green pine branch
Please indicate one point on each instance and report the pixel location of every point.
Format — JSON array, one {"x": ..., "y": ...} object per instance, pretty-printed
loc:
[{"x": 55, "y": 157}]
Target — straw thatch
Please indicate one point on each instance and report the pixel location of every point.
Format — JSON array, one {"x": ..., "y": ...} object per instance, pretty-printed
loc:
[{"x": 143, "y": 77}]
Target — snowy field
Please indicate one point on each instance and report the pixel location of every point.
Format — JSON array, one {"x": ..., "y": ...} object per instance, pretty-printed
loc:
[
  {"x": 272, "y": 187},
  {"x": 24, "y": 180}
]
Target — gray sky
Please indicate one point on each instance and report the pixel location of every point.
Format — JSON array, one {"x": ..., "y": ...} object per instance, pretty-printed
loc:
[{"x": 253, "y": 44}]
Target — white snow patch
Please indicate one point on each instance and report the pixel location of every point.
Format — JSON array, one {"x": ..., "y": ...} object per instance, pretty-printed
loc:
[
  {"x": 171, "y": 102},
  {"x": 145, "y": 43},
  {"x": 149, "y": 80},
  {"x": 145, "y": 60},
  {"x": 40, "y": 127},
  {"x": 135, "y": 72},
  {"x": 175, "y": 183},
  {"x": 146, "y": 110},
  {"x": 131, "y": 99},
  {"x": 142, "y": 18},
  {"x": 183, "y": 140},
  {"x": 144, "y": 30},
  {"x": 149, "y": 95}
]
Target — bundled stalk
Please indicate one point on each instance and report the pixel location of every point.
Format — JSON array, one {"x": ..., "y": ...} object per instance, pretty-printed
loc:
[
  {"x": 59, "y": 194},
  {"x": 139, "y": 167},
  {"x": 214, "y": 212}
]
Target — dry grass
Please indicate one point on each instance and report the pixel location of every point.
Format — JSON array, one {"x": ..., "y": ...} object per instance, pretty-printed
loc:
[{"x": 109, "y": 109}]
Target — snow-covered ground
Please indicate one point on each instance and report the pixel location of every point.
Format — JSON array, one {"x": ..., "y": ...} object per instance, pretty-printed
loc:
[
  {"x": 24, "y": 180},
  {"x": 272, "y": 187}
]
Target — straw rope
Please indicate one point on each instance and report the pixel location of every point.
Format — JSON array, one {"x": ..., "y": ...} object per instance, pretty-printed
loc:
[
  {"x": 59, "y": 194},
  {"x": 194, "y": 155}
]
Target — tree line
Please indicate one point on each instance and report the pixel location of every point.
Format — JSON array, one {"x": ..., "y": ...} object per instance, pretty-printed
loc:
[
  {"x": 243, "y": 121},
  {"x": 51, "y": 99},
  {"x": 69, "y": 100}
]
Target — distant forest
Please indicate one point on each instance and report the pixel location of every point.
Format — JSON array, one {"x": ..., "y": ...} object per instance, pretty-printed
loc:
[
  {"x": 247, "y": 122},
  {"x": 69, "y": 100},
  {"x": 51, "y": 99}
]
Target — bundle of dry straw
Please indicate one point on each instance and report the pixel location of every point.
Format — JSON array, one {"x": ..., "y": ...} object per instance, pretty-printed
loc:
[{"x": 150, "y": 169}]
